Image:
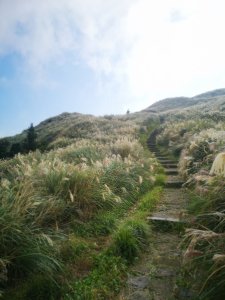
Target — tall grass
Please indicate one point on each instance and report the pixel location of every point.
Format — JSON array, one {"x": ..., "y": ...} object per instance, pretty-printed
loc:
[
  {"x": 128, "y": 240},
  {"x": 25, "y": 248},
  {"x": 205, "y": 243},
  {"x": 83, "y": 189}
]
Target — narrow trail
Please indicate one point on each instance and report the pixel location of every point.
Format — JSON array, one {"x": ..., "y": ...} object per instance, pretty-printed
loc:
[{"x": 154, "y": 277}]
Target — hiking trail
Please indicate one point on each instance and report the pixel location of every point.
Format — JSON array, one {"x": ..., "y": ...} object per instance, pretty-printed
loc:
[{"x": 155, "y": 275}]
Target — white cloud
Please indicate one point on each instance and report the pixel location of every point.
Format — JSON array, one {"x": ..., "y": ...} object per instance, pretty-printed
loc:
[
  {"x": 152, "y": 49},
  {"x": 44, "y": 31},
  {"x": 171, "y": 58}
]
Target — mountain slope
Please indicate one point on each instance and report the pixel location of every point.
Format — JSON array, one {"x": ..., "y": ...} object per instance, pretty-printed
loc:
[{"x": 183, "y": 102}]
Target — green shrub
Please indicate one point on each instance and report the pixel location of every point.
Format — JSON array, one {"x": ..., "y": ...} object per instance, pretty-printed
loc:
[{"x": 129, "y": 239}]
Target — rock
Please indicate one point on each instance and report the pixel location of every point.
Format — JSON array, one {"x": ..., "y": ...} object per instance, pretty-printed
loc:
[
  {"x": 140, "y": 282},
  {"x": 140, "y": 295},
  {"x": 203, "y": 172},
  {"x": 165, "y": 273},
  {"x": 183, "y": 293}
]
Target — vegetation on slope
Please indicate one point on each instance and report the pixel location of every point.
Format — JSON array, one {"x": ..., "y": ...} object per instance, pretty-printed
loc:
[
  {"x": 61, "y": 211},
  {"x": 178, "y": 103},
  {"x": 63, "y": 130},
  {"x": 197, "y": 136},
  {"x": 62, "y": 206}
]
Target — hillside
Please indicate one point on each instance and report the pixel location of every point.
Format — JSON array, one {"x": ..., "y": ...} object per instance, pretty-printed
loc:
[
  {"x": 75, "y": 212},
  {"x": 183, "y": 102},
  {"x": 66, "y": 128}
]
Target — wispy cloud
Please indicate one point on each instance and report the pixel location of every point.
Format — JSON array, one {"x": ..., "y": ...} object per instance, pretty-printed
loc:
[
  {"x": 51, "y": 31},
  {"x": 150, "y": 49}
]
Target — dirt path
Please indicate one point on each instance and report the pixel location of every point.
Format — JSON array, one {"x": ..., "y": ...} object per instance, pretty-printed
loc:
[{"x": 154, "y": 277}]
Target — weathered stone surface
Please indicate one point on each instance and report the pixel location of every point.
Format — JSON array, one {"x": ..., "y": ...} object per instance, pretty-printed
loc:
[
  {"x": 166, "y": 223},
  {"x": 183, "y": 293},
  {"x": 139, "y": 282},
  {"x": 140, "y": 295},
  {"x": 163, "y": 219},
  {"x": 171, "y": 171},
  {"x": 168, "y": 165},
  {"x": 165, "y": 273},
  {"x": 174, "y": 184}
]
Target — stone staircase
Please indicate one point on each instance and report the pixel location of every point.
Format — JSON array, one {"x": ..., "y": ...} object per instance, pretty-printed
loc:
[
  {"x": 154, "y": 278},
  {"x": 173, "y": 180}
]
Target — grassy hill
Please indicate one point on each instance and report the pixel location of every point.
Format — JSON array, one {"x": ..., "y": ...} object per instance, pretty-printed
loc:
[
  {"x": 183, "y": 102},
  {"x": 66, "y": 128},
  {"x": 73, "y": 212}
]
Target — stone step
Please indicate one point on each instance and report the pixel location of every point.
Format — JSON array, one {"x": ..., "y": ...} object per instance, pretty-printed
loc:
[
  {"x": 166, "y": 223},
  {"x": 174, "y": 184},
  {"x": 169, "y": 166},
  {"x": 166, "y": 160},
  {"x": 171, "y": 171}
]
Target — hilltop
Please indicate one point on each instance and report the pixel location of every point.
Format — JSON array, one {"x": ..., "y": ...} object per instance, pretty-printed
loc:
[
  {"x": 184, "y": 102},
  {"x": 64, "y": 129}
]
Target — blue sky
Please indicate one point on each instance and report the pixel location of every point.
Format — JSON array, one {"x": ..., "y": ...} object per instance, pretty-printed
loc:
[{"x": 104, "y": 57}]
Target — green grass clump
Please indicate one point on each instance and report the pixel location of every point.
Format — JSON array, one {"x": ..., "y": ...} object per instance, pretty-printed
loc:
[
  {"x": 132, "y": 235},
  {"x": 196, "y": 203},
  {"x": 74, "y": 247},
  {"x": 129, "y": 239},
  {"x": 104, "y": 282},
  {"x": 160, "y": 179},
  {"x": 150, "y": 199}
]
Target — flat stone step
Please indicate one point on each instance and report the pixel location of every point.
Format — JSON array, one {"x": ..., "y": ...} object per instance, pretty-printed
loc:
[
  {"x": 163, "y": 219},
  {"x": 171, "y": 171},
  {"x": 166, "y": 223},
  {"x": 174, "y": 184},
  {"x": 139, "y": 282},
  {"x": 166, "y": 161},
  {"x": 169, "y": 166}
]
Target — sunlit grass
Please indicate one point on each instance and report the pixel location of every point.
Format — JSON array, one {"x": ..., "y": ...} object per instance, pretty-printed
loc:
[{"x": 56, "y": 205}]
